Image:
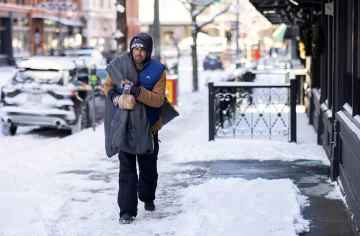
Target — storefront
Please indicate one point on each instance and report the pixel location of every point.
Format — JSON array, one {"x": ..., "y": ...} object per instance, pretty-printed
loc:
[
  {"x": 27, "y": 30},
  {"x": 6, "y": 52},
  {"x": 59, "y": 33},
  {"x": 58, "y": 37},
  {"x": 330, "y": 32},
  {"x": 20, "y": 35}
]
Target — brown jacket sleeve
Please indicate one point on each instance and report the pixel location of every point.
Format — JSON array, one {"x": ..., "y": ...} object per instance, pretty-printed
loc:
[
  {"x": 154, "y": 98},
  {"x": 108, "y": 85}
]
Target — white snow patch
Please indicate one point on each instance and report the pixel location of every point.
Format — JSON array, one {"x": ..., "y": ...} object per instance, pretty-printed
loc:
[
  {"x": 5, "y": 75},
  {"x": 349, "y": 123},
  {"x": 357, "y": 118},
  {"x": 335, "y": 194},
  {"x": 120, "y": 8},
  {"x": 255, "y": 207}
]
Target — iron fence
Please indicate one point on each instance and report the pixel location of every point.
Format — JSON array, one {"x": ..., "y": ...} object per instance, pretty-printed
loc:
[{"x": 253, "y": 110}]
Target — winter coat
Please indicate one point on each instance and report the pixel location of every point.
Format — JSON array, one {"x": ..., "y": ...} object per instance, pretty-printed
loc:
[
  {"x": 159, "y": 110},
  {"x": 126, "y": 130}
]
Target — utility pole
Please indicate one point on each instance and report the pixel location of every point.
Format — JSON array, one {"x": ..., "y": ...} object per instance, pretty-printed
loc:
[
  {"x": 156, "y": 30},
  {"x": 60, "y": 43},
  {"x": 237, "y": 11}
]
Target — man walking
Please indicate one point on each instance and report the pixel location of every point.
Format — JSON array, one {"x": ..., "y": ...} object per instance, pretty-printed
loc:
[{"x": 150, "y": 91}]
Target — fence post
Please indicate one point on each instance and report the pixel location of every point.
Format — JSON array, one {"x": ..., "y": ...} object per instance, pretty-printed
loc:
[
  {"x": 211, "y": 111},
  {"x": 287, "y": 77},
  {"x": 293, "y": 96}
]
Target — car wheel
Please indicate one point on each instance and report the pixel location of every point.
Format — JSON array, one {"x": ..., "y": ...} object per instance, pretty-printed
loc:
[
  {"x": 8, "y": 130},
  {"x": 82, "y": 121}
]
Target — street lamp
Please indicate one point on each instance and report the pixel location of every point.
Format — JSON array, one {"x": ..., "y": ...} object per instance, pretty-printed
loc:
[
  {"x": 237, "y": 12},
  {"x": 157, "y": 30}
]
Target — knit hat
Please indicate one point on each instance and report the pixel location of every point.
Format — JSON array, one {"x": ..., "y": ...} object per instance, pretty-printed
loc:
[{"x": 143, "y": 41}]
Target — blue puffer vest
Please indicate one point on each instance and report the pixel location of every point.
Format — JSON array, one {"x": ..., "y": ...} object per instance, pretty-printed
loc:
[{"x": 147, "y": 78}]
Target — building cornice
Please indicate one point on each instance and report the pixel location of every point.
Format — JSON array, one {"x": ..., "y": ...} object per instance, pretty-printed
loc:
[{"x": 8, "y": 7}]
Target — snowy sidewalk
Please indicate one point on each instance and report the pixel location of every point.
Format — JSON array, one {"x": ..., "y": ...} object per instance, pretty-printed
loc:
[{"x": 69, "y": 186}]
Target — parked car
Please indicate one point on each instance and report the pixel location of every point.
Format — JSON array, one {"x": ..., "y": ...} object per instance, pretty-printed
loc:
[
  {"x": 46, "y": 92},
  {"x": 213, "y": 61},
  {"x": 99, "y": 95}
]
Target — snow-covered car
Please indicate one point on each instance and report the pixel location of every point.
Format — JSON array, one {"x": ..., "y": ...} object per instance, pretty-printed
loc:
[{"x": 46, "y": 92}]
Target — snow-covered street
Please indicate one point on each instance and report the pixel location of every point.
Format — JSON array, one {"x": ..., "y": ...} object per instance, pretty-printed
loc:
[{"x": 66, "y": 185}]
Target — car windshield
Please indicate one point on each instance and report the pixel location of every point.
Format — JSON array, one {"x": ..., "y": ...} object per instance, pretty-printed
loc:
[{"x": 41, "y": 76}]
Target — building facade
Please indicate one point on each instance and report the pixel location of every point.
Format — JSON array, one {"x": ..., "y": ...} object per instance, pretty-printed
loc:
[
  {"x": 46, "y": 27},
  {"x": 35, "y": 27},
  {"x": 334, "y": 108},
  {"x": 100, "y": 22},
  {"x": 175, "y": 24},
  {"x": 330, "y": 31}
]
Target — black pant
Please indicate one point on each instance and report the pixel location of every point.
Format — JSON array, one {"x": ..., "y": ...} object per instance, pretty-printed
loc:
[{"x": 130, "y": 186}]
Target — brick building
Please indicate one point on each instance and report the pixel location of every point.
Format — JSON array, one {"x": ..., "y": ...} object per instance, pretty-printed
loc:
[
  {"x": 40, "y": 27},
  {"x": 29, "y": 27}
]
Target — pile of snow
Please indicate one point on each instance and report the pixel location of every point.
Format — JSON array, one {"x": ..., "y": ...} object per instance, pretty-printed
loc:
[
  {"x": 6, "y": 73},
  {"x": 241, "y": 207}
]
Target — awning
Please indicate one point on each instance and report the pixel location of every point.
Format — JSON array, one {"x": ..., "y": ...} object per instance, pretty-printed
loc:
[
  {"x": 279, "y": 33},
  {"x": 63, "y": 21}
]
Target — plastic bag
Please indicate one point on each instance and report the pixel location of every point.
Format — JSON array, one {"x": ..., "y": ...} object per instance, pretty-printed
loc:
[{"x": 127, "y": 102}]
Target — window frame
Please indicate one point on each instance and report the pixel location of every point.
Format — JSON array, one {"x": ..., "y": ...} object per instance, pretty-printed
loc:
[
  {"x": 349, "y": 69},
  {"x": 356, "y": 65}
]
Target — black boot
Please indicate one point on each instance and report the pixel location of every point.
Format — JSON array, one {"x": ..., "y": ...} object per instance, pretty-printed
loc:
[
  {"x": 149, "y": 206},
  {"x": 126, "y": 219}
]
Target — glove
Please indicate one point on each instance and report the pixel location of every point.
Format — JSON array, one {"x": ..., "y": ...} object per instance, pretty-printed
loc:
[
  {"x": 116, "y": 100},
  {"x": 127, "y": 88}
]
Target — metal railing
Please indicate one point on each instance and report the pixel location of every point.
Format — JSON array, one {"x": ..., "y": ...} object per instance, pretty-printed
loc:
[{"x": 253, "y": 110}]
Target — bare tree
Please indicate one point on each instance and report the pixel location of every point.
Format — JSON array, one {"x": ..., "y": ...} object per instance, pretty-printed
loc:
[
  {"x": 195, "y": 11},
  {"x": 121, "y": 26}
]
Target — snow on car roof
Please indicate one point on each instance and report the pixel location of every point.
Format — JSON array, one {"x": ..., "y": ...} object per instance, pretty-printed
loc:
[{"x": 48, "y": 63}]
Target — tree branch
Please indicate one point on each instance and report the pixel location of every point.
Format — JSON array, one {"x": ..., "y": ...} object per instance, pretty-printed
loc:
[
  {"x": 184, "y": 3},
  {"x": 216, "y": 15},
  {"x": 198, "y": 12}
]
